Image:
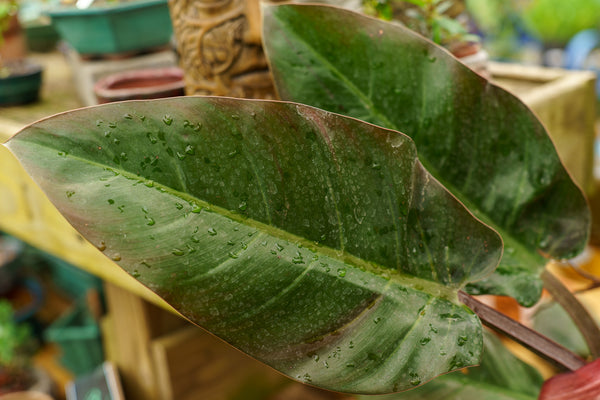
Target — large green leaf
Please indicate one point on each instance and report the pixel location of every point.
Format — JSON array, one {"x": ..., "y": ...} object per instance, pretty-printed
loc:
[
  {"x": 481, "y": 142},
  {"x": 501, "y": 376},
  {"x": 316, "y": 243}
]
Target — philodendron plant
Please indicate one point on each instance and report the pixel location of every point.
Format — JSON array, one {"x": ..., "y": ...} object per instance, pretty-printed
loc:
[{"x": 330, "y": 248}]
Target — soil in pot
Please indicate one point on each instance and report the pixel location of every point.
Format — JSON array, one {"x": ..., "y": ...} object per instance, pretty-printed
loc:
[{"x": 14, "y": 380}]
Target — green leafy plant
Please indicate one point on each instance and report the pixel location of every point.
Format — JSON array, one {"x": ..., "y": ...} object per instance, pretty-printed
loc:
[
  {"x": 434, "y": 19},
  {"x": 15, "y": 351},
  {"x": 333, "y": 248}
]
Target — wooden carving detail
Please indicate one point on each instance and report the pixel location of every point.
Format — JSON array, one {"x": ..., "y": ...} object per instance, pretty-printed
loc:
[{"x": 220, "y": 46}]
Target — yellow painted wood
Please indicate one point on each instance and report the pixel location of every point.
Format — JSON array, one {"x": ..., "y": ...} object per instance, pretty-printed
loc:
[{"x": 26, "y": 213}]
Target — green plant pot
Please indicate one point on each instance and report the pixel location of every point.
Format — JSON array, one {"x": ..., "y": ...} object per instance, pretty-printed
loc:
[
  {"x": 22, "y": 86},
  {"x": 41, "y": 37},
  {"x": 122, "y": 27},
  {"x": 79, "y": 339}
]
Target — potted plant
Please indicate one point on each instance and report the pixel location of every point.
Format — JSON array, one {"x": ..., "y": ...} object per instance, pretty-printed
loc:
[
  {"x": 20, "y": 79},
  {"x": 337, "y": 250},
  {"x": 444, "y": 22},
  {"x": 17, "y": 346}
]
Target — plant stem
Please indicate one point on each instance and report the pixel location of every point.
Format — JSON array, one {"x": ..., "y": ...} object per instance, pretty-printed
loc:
[
  {"x": 536, "y": 342},
  {"x": 580, "y": 316}
]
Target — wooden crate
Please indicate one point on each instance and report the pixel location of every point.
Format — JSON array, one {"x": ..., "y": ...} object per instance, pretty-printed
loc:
[
  {"x": 161, "y": 356},
  {"x": 565, "y": 102}
]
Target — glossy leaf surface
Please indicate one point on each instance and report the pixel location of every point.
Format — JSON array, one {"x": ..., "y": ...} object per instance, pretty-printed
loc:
[
  {"x": 316, "y": 243},
  {"x": 481, "y": 142},
  {"x": 501, "y": 376}
]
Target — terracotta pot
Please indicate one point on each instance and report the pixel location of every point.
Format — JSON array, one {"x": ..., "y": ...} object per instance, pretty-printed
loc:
[
  {"x": 14, "y": 46},
  {"x": 140, "y": 84},
  {"x": 473, "y": 56}
]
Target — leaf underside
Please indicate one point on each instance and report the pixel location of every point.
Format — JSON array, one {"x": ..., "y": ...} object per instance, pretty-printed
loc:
[
  {"x": 501, "y": 376},
  {"x": 315, "y": 243},
  {"x": 478, "y": 140}
]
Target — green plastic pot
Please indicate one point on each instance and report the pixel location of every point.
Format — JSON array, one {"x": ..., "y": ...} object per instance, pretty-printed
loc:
[{"x": 115, "y": 28}]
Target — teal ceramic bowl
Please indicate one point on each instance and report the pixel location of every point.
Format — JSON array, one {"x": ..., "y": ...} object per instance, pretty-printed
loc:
[{"x": 120, "y": 27}]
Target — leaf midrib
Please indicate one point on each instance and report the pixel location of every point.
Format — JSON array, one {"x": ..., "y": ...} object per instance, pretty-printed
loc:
[{"x": 435, "y": 289}]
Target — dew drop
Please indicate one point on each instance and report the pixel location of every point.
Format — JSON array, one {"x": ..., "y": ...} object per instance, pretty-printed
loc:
[
  {"x": 151, "y": 138},
  {"x": 196, "y": 208},
  {"x": 243, "y": 206},
  {"x": 298, "y": 259},
  {"x": 177, "y": 252},
  {"x": 70, "y": 193},
  {"x": 101, "y": 246},
  {"x": 179, "y": 206},
  {"x": 189, "y": 149},
  {"x": 212, "y": 232},
  {"x": 116, "y": 141},
  {"x": 424, "y": 341},
  {"x": 150, "y": 221},
  {"x": 149, "y": 183},
  {"x": 128, "y": 116},
  {"x": 116, "y": 257},
  {"x": 377, "y": 320},
  {"x": 194, "y": 239},
  {"x": 415, "y": 381},
  {"x": 168, "y": 120},
  {"x": 341, "y": 272},
  {"x": 462, "y": 340},
  {"x": 278, "y": 247},
  {"x": 136, "y": 274},
  {"x": 111, "y": 201},
  {"x": 112, "y": 125},
  {"x": 233, "y": 255},
  {"x": 181, "y": 156}
]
